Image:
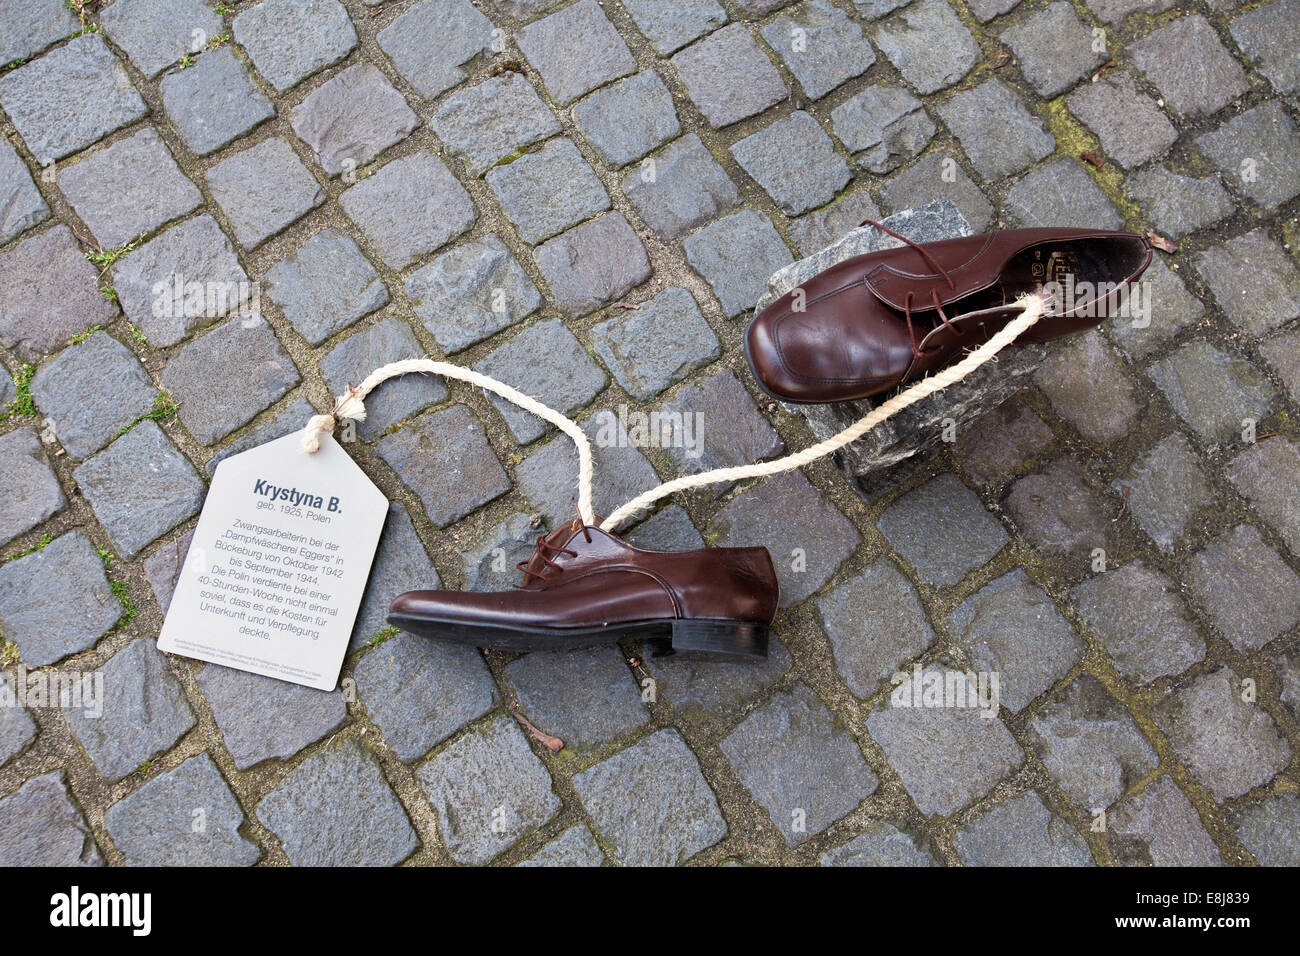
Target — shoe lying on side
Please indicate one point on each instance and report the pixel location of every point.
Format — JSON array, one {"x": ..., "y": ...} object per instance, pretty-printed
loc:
[
  {"x": 584, "y": 587},
  {"x": 876, "y": 321}
]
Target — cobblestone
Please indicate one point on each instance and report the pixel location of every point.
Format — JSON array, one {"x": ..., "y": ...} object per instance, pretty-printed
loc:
[
  {"x": 1011, "y": 627},
  {"x": 1173, "y": 308},
  {"x": 630, "y": 118},
  {"x": 688, "y": 189},
  {"x": 488, "y": 790},
  {"x": 140, "y": 710},
  {"x": 660, "y": 343},
  {"x": 139, "y": 487},
  {"x": 263, "y": 189},
  {"x": 546, "y": 477},
  {"x": 155, "y": 826},
  {"x": 325, "y": 286},
  {"x": 69, "y": 98},
  {"x": 928, "y": 44},
  {"x": 30, "y": 27},
  {"x": 1269, "y": 830},
  {"x": 568, "y": 380},
  {"x": 1088, "y": 742},
  {"x": 1253, "y": 280},
  {"x": 288, "y": 40},
  {"x": 431, "y": 42},
  {"x": 808, "y": 536},
  {"x": 487, "y": 122},
  {"x": 795, "y": 162},
  {"x": 651, "y": 802},
  {"x": 1061, "y": 194},
  {"x": 336, "y": 809},
  {"x": 471, "y": 292},
  {"x": 1167, "y": 488},
  {"x": 575, "y": 50},
  {"x": 41, "y": 826},
  {"x": 360, "y": 353},
  {"x": 942, "y": 510},
  {"x": 1261, "y": 33},
  {"x": 594, "y": 263},
  {"x": 91, "y": 392},
  {"x": 875, "y": 624},
  {"x": 884, "y": 127},
  {"x": 152, "y": 280},
  {"x": 1075, "y": 368},
  {"x": 671, "y": 24},
  {"x": 1160, "y": 827},
  {"x": 1163, "y": 56},
  {"x": 728, "y": 77},
  {"x": 820, "y": 45},
  {"x": 1177, "y": 204},
  {"x": 546, "y": 191},
  {"x": 1021, "y": 832},
  {"x": 48, "y": 293},
  {"x": 33, "y": 493},
  {"x": 444, "y": 457},
  {"x": 1135, "y": 612},
  {"x": 728, "y": 428},
  {"x": 998, "y": 133},
  {"x": 945, "y": 756},
  {"x": 262, "y": 718},
  {"x": 214, "y": 101},
  {"x": 882, "y": 845},
  {"x": 17, "y": 729},
  {"x": 1053, "y": 49},
  {"x": 1259, "y": 153},
  {"x": 157, "y": 33},
  {"x": 418, "y": 691},
  {"x": 602, "y": 702},
  {"x": 574, "y": 847},
  {"x": 938, "y": 176},
  {"x": 1250, "y": 593},
  {"x": 735, "y": 255},
  {"x": 1230, "y": 745},
  {"x": 1211, "y": 390},
  {"x": 1057, "y": 512},
  {"x": 997, "y": 444},
  {"x": 258, "y": 371},
  {"x": 46, "y": 632},
  {"x": 21, "y": 203},
  {"x": 802, "y": 768},
  {"x": 401, "y": 564},
  {"x": 1268, "y": 475},
  {"x": 409, "y": 208},
  {"x": 1132, "y": 129},
  {"x": 351, "y": 118}
]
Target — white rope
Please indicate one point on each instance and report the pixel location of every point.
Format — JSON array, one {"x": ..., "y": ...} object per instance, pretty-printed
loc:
[
  {"x": 350, "y": 405},
  {"x": 1032, "y": 306}
]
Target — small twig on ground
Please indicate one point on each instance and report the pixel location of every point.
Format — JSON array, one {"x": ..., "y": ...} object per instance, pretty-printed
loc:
[
  {"x": 553, "y": 744},
  {"x": 1125, "y": 491}
]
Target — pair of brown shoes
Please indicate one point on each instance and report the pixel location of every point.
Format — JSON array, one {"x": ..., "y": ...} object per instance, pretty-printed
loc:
[{"x": 864, "y": 326}]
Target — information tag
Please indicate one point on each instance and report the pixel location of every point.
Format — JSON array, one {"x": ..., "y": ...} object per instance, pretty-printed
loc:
[{"x": 278, "y": 563}]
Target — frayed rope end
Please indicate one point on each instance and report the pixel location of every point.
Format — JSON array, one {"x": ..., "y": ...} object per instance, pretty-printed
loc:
[{"x": 348, "y": 406}]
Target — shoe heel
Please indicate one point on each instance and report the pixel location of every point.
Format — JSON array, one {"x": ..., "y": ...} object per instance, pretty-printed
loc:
[{"x": 734, "y": 641}]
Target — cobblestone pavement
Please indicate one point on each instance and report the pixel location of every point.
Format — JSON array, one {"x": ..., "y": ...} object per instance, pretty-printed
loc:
[{"x": 469, "y": 180}]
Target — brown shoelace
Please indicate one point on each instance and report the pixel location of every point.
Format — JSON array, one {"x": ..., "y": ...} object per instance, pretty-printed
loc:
[{"x": 934, "y": 295}]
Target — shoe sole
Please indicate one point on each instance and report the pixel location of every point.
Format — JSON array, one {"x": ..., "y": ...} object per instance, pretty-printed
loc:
[{"x": 715, "y": 640}]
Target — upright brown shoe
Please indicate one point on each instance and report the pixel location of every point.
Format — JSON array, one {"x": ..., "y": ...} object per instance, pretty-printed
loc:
[
  {"x": 583, "y": 586},
  {"x": 873, "y": 322}
]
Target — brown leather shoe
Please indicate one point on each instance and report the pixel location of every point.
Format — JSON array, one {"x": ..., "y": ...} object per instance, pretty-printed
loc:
[
  {"x": 873, "y": 322},
  {"x": 583, "y": 587}
]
